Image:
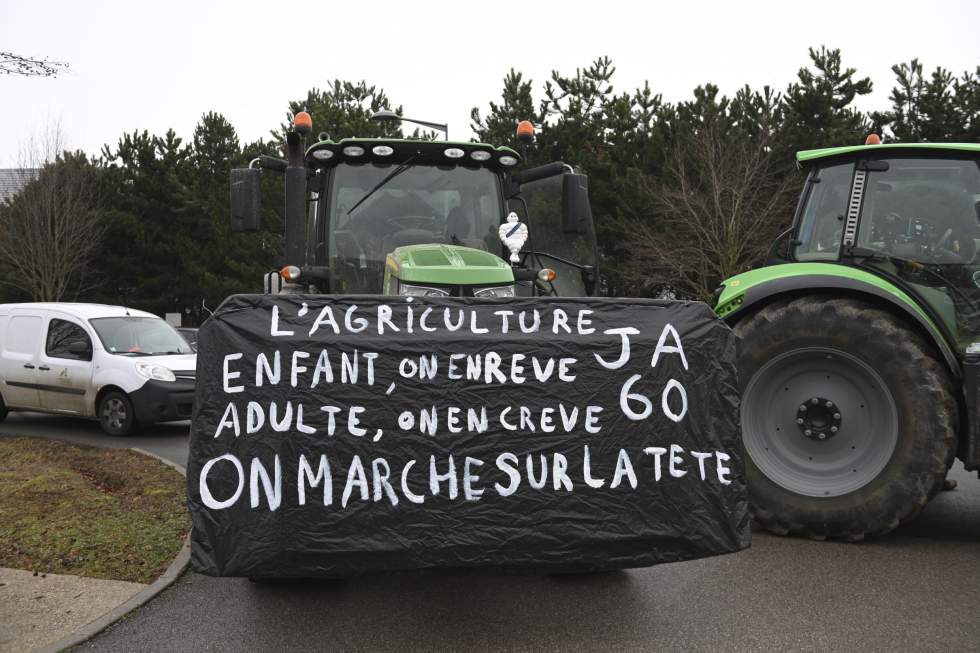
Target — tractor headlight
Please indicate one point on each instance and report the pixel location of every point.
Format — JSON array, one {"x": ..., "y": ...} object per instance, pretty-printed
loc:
[
  {"x": 421, "y": 291},
  {"x": 497, "y": 291},
  {"x": 155, "y": 372}
]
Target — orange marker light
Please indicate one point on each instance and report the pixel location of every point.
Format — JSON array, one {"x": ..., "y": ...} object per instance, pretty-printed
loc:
[
  {"x": 525, "y": 131},
  {"x": 303, "y": 123},
  {"x": 873, "y": 139},
  {"x": 546, "y": 274},
  {"x": 290, "y": 273}
]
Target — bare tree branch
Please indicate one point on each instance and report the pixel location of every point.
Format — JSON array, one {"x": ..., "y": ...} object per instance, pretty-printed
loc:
[
  {"x": 715, "y": 213},
  {"x": 15, "y": 64},
  {"x": 51, "y": 230}
]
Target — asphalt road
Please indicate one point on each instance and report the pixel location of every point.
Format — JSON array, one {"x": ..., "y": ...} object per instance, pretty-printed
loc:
[{"x": 917, "y": 589}]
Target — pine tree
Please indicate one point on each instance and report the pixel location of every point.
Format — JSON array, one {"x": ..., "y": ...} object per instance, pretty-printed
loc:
[{"x": 819, "y": 105}]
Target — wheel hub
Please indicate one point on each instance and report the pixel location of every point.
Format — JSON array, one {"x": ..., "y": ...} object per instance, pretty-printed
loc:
[
  {"x": 818, "y": 419},
  {"x": 846, "y": 459},
  {"x": 114, "y": 413}
]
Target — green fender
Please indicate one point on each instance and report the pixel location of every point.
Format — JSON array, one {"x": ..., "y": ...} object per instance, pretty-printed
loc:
[{"x": 757, "y": 287}]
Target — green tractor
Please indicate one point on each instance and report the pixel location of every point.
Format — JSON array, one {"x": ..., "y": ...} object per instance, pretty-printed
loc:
[
  {"x": 860, "y": 341},
  {"x": 423, "y": 218}
]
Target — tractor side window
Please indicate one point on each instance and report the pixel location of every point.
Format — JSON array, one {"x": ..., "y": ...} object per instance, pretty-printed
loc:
[
  {"x": 822, "y": 224},
  {"x": 922, "y": 215}
]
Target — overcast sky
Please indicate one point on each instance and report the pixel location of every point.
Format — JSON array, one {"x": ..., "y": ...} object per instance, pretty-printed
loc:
[{"x": 141, "y": 65}]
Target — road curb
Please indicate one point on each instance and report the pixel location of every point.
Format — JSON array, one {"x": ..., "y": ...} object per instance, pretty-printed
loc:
[{"x": 173, "y": 572}]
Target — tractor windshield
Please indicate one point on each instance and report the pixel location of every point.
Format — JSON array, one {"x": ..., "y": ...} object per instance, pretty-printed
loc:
[
  {"x": 923, "y": 216},
  {"x": 421, "y": 204}
]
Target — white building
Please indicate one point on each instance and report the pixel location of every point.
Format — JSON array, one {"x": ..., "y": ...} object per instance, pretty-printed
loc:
[{"x": 12, "y": 180}]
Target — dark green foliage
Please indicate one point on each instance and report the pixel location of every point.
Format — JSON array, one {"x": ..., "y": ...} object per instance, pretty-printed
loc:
[
  {"x": 936, "y": 108},
  {"x": 819, "y": 109},
  {"x": 168, "y": 246},
  {"x": 683, "y": 193}
]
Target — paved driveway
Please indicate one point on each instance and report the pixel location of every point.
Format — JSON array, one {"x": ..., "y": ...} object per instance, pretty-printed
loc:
[
  {"x": 917, "y": 589},
  {"x": 166, "y": 440}
]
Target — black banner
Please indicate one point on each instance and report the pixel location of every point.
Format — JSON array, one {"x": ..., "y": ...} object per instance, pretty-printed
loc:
[{"x": 338, "y": 435}]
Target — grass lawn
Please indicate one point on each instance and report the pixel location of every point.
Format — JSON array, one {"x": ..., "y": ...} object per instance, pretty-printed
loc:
[{"x": 102, "y": 513}]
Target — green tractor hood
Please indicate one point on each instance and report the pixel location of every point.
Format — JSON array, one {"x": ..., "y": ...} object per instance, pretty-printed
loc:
[{"x": 447, "y": 265}]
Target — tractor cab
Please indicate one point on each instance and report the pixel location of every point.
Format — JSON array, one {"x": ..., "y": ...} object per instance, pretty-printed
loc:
[
  {"x": 426, "y": 218},
  {"x": 909, "y": 213}
]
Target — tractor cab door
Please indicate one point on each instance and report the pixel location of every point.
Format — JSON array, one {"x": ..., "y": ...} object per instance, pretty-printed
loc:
[
  {"x": 821, "y": 219},
  {"x": 561, "y": 232}
]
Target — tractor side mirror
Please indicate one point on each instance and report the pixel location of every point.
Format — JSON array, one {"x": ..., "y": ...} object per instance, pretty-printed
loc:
[
  {"x": 576, "y": 212},
  {"x": 245, "y": 215}
]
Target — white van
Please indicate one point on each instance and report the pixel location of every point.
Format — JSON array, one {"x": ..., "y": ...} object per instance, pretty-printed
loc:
[{"x": 114, "y": 364}]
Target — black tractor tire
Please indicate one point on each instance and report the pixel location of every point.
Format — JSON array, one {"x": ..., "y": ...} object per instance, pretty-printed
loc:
[
  {"x": 3, "y": 410},
  {"x": 848, "y": 418},
  {"x": 116, "y": 414}
]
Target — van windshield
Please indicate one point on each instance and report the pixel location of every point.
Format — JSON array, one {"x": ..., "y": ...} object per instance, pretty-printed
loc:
[{"x": 139, "y": 336}]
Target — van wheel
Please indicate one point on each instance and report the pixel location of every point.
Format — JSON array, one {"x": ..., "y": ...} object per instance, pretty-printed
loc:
[{"x": 116, "y": 414}]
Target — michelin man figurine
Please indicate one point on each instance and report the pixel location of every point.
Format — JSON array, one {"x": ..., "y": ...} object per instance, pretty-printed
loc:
[{"x": 513, "y": 234}]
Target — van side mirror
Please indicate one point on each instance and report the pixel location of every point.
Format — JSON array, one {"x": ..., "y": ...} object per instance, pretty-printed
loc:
[
  {"x": 245, "y": 215},
  {"x": 80, "y": 349},
  {"x": 576, "y": 212}
]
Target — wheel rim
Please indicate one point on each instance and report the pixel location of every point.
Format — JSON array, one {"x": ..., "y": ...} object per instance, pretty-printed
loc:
[
  {"x": 853, "y": 410},
  {"x": 114, "y": 413}
]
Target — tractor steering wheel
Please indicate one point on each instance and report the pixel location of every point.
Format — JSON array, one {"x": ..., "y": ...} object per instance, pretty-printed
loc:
[{"x": 951, "y": 247}]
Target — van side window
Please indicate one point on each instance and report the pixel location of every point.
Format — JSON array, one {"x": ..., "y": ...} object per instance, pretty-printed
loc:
[{"x": 61, "y": 335}]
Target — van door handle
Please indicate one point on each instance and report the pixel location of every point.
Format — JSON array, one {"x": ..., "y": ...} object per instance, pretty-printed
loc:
[
  {"x": 29, "y": 366},
  {"x": 44, "y": 368}
]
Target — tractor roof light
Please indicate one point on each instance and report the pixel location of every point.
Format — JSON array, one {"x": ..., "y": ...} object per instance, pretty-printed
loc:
[
  {"x": 303, "y": 123},
  {"x": 480, "y": 155},
  {"x": 322, "y": 154},
  {"x": 353, "y": 151},
  {"x": 508, "y": 160},
  {"x": 382, "y": 150},
  {"x": 525, "y": 131},
  {"x": 290, "y": 273},
  {"x": 454, "y": 153},
  {"x": 873, "y": 139}
]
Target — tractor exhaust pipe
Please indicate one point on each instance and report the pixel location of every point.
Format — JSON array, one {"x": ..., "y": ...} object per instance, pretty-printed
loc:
[{"x": 295, "y": 208}]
